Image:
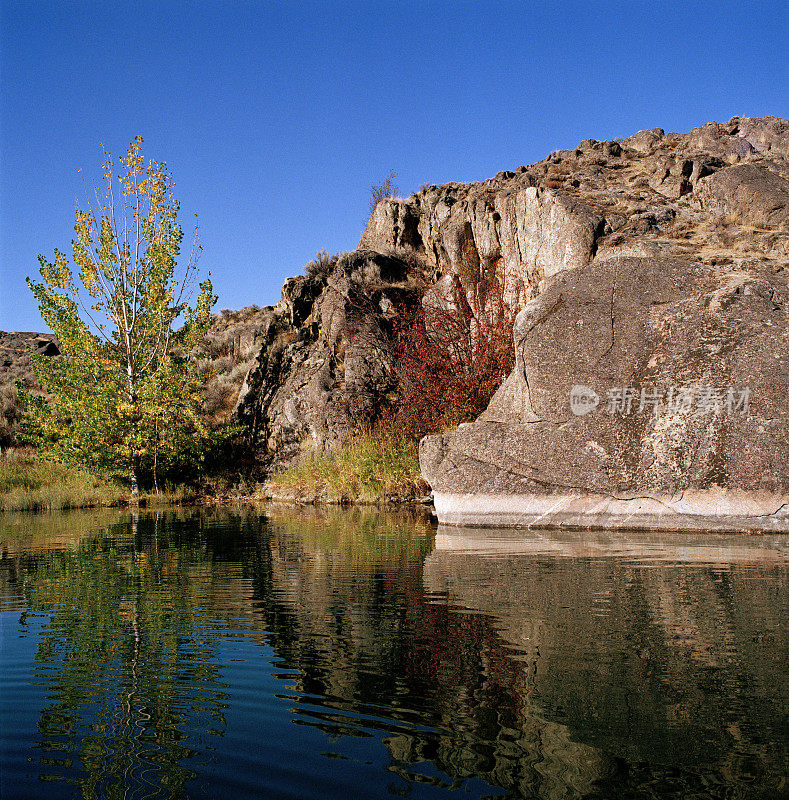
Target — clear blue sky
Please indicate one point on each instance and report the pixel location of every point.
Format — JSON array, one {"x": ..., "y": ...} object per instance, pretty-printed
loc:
[{"x": 275, "y": 118}]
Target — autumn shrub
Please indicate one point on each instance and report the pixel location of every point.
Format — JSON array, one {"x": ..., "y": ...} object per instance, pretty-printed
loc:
[{"x": 452, "y": 354}]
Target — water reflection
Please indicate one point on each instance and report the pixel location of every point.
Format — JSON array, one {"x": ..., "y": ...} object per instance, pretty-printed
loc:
[
  {"x": 665, "y": 653},
  {"x": 350, "y": 653}
]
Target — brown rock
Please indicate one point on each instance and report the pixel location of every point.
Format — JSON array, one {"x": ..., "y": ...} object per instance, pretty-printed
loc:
[
  {"x": 655, "y": 327},
  {"x": 752, "y": 193},
  {"x": 325, "y": 366}
]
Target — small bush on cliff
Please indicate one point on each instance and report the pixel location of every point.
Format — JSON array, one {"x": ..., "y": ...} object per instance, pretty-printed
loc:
[
  {"x": 385, "y": 190},
  {"x": 322, "y": 265}
]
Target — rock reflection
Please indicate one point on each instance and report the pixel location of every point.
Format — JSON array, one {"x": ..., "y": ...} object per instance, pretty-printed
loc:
[{"x": 664, "y": 653}]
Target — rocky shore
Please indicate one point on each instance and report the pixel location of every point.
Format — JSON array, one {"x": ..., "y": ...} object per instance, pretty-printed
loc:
[{"x": 651, "y": 388}]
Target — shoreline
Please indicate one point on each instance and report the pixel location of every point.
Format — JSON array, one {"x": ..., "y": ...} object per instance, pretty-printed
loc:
[{"x": 39, "y": 486}]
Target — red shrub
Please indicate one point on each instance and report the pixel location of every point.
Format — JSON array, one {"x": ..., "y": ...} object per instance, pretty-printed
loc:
[{"x": 451, "y": 357}]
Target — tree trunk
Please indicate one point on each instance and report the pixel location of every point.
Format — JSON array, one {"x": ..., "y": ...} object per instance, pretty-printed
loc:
[
  {"x": 156, "y": 458},
  {"x": 134, "y": 472},
  {"x": 134, "y": 456}
]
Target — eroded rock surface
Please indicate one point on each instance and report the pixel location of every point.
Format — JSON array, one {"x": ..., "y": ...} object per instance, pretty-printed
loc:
[
  {"x": 325, "y": 366},
  {"x": 689, "y": 366},
  {"x": 717, "y": 194}
]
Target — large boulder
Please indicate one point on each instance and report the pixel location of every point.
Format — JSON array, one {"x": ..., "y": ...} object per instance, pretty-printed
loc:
[
  {"x": 751, "y": 193},
  {"x": 647, "y": 393}
]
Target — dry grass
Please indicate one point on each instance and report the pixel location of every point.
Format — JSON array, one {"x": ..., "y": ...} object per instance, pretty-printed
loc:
[
  {"x": 370, "y": 468},
  {"x": 31, "y": 483},
  {"x": 225, "y": 356}
]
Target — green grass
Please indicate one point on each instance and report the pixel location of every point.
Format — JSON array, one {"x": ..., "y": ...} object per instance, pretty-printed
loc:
[
  {"x": 367, "y": 469},
  {"x": 29, "y": 483}
]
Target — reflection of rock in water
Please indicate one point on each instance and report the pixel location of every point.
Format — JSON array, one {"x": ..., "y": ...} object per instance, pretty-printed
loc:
[
  {"x": 661, "y": 649},
  {"x": 538, "y": 757},
  {"x": 348, "y": 612},
  {"x": 601, "y": 666}
]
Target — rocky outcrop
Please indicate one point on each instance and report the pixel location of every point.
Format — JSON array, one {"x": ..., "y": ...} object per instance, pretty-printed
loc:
[
  {"x": 524, "y": 232},
  {"x": 656, "y": 263},
  {"x": 15, "y": 351},
  {"x": 647, "y": 393},
  {"x": 750, "y": 193},
  {"x": 325, "y": 367},
  {"x": 675, "y": 195}
]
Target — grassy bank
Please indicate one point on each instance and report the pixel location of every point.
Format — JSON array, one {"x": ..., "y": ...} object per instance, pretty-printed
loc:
[
  {"x": 30, "y": 483},
  {"x": 370, "y": 469}
]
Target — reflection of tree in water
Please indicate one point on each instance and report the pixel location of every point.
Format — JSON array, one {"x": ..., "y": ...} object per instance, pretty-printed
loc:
[
  {"x": 578, "y": 679},
  {"x": 128, "y": 658}
]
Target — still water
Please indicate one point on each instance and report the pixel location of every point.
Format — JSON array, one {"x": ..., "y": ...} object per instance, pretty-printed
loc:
[{"x": 347, "y": 654}]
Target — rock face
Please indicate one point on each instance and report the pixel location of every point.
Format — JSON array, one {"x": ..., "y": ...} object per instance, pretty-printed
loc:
[
  {"x": 651, "y": 388},
  {"x": 325, "y": 367},
  {"x": 655, "y": 264},
  {"x": 753, "y": 194},
  {"x": 717, "y": 194},
  {"x": 531, "y": 232},
  {"x": 15, "y": 352},
  {"x": 647, "y": 393}
]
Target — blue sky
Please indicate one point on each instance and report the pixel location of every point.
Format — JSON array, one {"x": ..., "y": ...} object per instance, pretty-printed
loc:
[{"x": 275, "y": 118}]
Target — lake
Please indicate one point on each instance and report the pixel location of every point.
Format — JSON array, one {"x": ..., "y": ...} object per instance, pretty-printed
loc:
[{"x": 348, "y": 653}]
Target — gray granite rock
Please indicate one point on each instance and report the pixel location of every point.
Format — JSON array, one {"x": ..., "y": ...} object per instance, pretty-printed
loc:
[{"x": 671, "y": 350}]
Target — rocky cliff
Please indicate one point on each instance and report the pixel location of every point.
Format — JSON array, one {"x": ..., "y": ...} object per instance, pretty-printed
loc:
[
  {"x": 652, "y": 277},
  {"x": 652, "y": 380},
  {"x": 326, "y": 367},
  {"x": 717, "y": 195}
]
